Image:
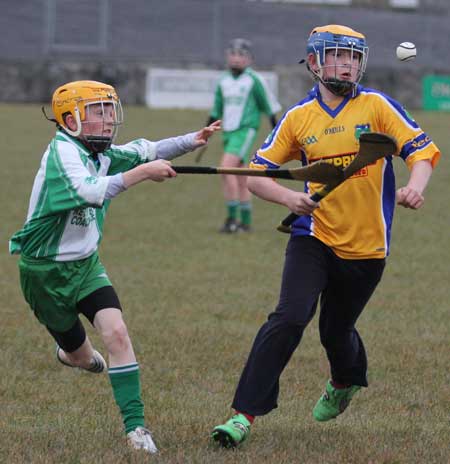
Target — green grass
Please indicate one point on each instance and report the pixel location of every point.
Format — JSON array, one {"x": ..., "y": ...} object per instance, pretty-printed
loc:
[{"x": 193, "y": 301}]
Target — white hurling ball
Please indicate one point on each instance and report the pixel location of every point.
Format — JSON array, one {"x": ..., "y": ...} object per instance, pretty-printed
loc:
[{"x": 406, "y": 51}]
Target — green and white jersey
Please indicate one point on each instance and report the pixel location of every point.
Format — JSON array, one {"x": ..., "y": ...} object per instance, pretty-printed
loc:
[
  {"x": 240, "y": 100},
  {"x": 67, "y": 205}
]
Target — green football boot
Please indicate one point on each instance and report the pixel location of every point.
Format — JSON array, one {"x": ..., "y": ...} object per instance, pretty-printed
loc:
[
  {"x": 333, "y": 402},
  {"x": 233, "y": 432}
]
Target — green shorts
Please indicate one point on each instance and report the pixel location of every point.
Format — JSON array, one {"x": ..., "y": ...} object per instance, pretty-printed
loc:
[
  {"x": 53, "y": 288},
  {"x": 239, "y": 142}
]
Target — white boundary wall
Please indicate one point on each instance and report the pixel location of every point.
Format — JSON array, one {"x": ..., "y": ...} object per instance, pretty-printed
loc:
[{"x": 180, "y": 88}]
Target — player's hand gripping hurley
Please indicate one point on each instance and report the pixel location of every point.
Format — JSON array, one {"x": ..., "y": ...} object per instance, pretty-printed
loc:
[
  {"x": 372, "y": 147},
  {"x": 320, "y": 172}
]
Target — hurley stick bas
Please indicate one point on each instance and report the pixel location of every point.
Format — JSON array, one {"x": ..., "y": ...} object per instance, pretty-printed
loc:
[
  {"x": 372, "y": 147},
  {"x": 320, "y": 172},
  {"x": 200, "y": 153}
]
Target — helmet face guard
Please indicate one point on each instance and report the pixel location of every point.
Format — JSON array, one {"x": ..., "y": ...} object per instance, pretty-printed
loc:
[
  {"x": 77, "y": 98},
  {"x": 330, "y": 40},
  {"x": 98, "y": 143}
]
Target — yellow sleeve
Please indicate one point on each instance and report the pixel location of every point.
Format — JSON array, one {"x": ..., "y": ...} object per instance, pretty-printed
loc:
[
  {"x": 413, "y": 143},
  {"x": 279, "y": 147}
]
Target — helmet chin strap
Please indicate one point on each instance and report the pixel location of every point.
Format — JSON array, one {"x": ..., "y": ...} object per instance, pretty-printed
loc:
[
  {"x": 338, "y": 87},
  {"x": 97, "y": 143}
]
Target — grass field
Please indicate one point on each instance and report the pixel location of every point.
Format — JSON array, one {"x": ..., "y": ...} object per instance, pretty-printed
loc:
[{"x": 193, "y": 301}]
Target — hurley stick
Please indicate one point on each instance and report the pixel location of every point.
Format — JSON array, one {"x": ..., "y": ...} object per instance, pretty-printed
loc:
[
  {"x": 372, "y": 147},
  {"x": 320, "y": 172}
]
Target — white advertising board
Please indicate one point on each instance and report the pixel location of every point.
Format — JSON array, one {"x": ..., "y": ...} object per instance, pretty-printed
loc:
[{"x": 187, "y": 88}]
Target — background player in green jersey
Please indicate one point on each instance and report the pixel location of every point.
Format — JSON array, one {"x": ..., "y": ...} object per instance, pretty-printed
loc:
[
  {"x": 241, "y": 97},
  {"x": 60, "y": 271}
]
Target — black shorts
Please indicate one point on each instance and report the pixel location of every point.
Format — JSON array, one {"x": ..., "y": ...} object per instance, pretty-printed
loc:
[{"x": 72, "y": 339}]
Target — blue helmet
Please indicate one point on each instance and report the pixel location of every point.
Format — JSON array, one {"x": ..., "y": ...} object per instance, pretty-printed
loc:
[{"x": 336, "y": 37}]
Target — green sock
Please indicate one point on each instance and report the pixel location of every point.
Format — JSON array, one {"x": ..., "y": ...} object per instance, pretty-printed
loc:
[
  {"x": 232, "y": 208},
  {"x": 126, "y": 385},
  {"x": 246, "y": 213}
]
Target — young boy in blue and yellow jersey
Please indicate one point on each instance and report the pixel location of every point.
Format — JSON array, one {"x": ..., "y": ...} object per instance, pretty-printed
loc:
[{"x": 336, "y": 251}]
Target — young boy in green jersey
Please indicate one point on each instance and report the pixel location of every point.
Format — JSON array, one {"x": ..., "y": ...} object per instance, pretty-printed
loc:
[
  {"x": 60, "y": 272},
  {"x": 241, "y": 97}
]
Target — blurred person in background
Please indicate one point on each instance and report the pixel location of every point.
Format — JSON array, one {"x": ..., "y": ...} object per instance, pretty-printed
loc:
[{"x": 241, "y": 96}]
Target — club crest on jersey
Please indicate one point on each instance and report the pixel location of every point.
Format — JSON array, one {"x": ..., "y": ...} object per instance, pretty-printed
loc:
[
  {"x": 91, "y": 180},
  {"x": 361, "y": 129}
]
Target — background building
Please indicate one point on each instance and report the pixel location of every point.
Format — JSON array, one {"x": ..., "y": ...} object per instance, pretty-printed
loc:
[{"x": 48, "y": 42}]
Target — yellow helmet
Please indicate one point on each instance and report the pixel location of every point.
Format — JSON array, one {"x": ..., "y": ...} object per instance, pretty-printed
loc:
[
  {"x": 337, "y": 29},
  {"x": 73, "y": 98}
]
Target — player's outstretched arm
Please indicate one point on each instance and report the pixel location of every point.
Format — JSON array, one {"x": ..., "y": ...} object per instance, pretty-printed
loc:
[
  {"x": 157, "y": 171},
  {"x": 411, "y": 196},
  {"x": 173, "y": 147}
]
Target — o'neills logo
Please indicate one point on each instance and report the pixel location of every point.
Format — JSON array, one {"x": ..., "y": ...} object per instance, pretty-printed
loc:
[{"x": 334, "y": 130}]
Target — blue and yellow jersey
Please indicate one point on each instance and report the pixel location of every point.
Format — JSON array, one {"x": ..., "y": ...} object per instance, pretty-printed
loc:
[{"x": 355, "y": 219}]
